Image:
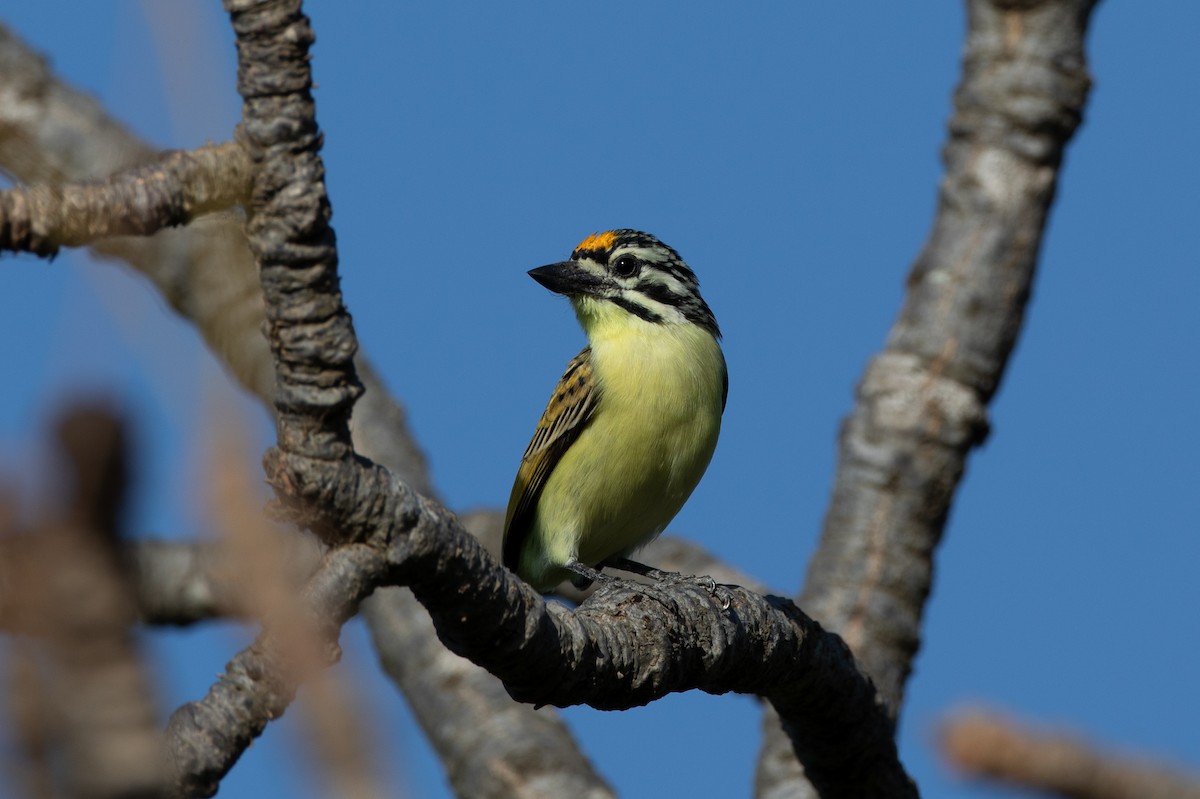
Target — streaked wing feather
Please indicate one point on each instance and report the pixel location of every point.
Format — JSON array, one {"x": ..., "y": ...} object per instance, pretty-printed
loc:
[{"x": 571, "y": 406}]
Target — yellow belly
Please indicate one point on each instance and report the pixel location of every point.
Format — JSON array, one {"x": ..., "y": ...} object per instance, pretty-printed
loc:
[{"x": 645, "y": 449}]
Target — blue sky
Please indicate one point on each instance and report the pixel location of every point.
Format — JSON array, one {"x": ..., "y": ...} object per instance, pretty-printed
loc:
[{"x": 791, "y": 155}]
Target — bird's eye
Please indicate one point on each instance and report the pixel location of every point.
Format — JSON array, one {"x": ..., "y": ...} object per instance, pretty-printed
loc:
[{"x": 626, "y": 266}]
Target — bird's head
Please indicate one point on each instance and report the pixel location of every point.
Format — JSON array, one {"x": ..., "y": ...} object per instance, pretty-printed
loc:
[{"x": 628, "y": 272}]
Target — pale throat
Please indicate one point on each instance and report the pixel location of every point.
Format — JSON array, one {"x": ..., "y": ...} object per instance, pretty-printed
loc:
[{"x": 652, "y": 363}]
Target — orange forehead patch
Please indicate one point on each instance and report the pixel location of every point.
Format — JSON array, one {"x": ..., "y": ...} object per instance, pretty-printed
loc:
[{"x": 598, "y": 241}]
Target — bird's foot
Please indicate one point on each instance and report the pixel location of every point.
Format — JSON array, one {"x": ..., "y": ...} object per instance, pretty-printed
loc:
[
  {"x": 583, "y": 576},
  {"x": 671, "y": 578}
]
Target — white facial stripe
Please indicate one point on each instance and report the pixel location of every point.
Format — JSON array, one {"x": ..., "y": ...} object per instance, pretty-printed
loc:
[
  {"x": 663, "y": 291},
  {"x": 668, "y": 281}
]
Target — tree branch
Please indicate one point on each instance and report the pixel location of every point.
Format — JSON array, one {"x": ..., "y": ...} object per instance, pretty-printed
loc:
[
  {"x": 50, "y": 132},
  {"x": 627, "y": 645},
  {"x": 523, "y": 749},
  {"x": 921, "y": 406},
  {"x": 989, "y": 747},
  {"x": 205, "y": 738},
  {"x": 626, "y": 652},
  {"x": 183, "y": 582},
  {"x": 314, "y": 343},
  {"x": 169, "y": 192},
  {"x": 308, "y": 329}
]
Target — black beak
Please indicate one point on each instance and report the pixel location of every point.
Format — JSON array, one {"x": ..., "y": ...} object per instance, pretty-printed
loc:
[{"x": 567, "y": 277}]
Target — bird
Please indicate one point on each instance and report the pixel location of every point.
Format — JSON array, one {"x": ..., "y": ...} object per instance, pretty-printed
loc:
[{"x": 633, "y": 422}]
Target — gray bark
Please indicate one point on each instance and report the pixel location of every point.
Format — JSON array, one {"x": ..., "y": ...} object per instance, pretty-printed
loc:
[{"x": 921, "y": 406}]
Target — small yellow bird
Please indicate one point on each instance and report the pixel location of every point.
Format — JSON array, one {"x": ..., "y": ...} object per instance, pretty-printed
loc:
[{"x": 632, "y": 424}]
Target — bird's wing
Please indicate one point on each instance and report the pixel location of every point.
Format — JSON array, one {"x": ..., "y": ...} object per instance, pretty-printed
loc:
[{"x": 571, "y": 406}]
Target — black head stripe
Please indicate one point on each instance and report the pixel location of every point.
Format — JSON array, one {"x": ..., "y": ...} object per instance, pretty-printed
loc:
[
  {"x": 635, "y": 309},
  {"x": 636, "y": 238},
  {"x": 676, "y": 285},
  {"x": 660, "y": 293},
  {"x": 599, "y": 256},
  {"x": 701, "y": 314}
]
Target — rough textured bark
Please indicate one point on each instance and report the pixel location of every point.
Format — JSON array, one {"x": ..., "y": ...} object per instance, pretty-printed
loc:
[
  {"x": 311, "y": 339},
  {"x": 206, "y": 737},
  {"x": 181, "y": 582},
  {"x": 626, "y": 646},
  {"x": 169, "y": 192},
  {"x": 52, "y": 133},
  {"x": 514, "y": 750},
  {"x": 921, "y": 407},
  {"x": 308, "y": 329}
]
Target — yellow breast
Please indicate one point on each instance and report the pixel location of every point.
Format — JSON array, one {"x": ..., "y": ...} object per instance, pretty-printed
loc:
[{"x": 644, "y": 451}]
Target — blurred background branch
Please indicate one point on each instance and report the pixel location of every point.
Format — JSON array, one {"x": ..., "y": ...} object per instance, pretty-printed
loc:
[
  {"x": 207, "y": 274},
  {"x": 82, "y": 698},
  {"x": 878, "y": 593},
  {"x": 989, "y": 747}
]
